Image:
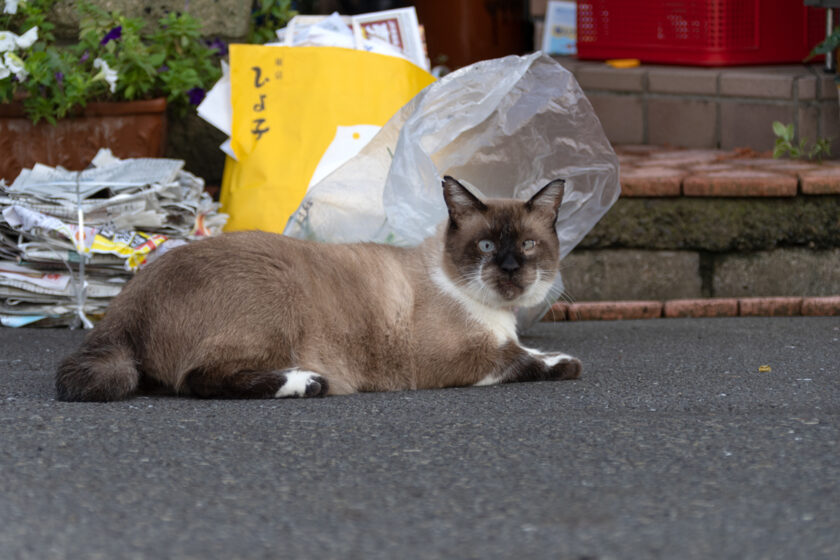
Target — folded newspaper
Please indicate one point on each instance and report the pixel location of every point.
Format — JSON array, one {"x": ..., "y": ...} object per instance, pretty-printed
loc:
[{"x": 69, "y": 241}]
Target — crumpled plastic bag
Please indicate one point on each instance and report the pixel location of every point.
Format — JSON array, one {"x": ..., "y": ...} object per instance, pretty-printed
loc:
[{"x": 506, "y": 127}]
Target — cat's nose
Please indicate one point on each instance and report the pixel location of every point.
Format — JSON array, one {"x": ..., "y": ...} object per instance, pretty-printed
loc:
[{"x": 509, "y": 263}]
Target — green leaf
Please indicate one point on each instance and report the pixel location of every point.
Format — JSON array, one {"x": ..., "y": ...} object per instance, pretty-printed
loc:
[
  {"x": 789, "y": 132},
  {"x": 778, "y": 128}
]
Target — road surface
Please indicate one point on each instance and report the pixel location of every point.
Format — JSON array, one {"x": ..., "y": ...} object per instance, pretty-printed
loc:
[{"x": 673, "y": 444}]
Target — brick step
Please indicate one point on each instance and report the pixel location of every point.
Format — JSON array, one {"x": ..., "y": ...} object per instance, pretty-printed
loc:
[
  {"x": 651, "y": 171},
  {"x": 709, "y": 307}
]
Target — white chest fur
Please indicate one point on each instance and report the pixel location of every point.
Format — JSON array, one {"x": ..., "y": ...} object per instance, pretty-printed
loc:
[{"x": 500, "y": 322}]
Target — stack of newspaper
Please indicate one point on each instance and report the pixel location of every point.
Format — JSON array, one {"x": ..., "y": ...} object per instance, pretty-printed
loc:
[{"x": 69, "y": 241}]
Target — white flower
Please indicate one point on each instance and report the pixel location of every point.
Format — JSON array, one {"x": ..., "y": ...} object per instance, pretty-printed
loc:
[
  {"x": 16, "y": 65},
  {"x": 105, "y": 73},
  {"x": 11, "y": 6},
  {"x": 27, "y": 39},
  {"x": 4, "y": 72},
  {"x": 7, "y": 41}
]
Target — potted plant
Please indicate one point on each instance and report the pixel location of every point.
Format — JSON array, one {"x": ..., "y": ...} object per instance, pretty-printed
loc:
[{"x": 60, "y": 104}]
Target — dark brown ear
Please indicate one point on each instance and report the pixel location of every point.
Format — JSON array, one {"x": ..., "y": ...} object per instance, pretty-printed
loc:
[
  {"x": 459, "y": 200},
  {"x": 548, "y": 198}
]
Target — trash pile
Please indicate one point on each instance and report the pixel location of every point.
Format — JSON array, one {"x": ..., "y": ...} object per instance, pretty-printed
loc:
[
  {"x": 69, "y": 241},
  {"x": 389, "y": 32}
]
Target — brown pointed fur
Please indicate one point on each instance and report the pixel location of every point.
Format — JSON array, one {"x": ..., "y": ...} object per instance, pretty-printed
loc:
[{"x": 241, "y": 307}]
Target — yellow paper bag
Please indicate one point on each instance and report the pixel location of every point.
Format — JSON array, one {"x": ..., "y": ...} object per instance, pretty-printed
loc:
[{"x": 289, "y": 103}]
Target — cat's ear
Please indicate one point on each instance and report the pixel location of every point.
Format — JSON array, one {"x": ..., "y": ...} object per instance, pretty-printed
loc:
[
  {"x": 459, "y": 200},
  {"x": 548, "y": 198}
]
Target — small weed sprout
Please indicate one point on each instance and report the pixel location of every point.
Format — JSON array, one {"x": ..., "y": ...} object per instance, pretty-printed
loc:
[{"x": 785, "y": 144}]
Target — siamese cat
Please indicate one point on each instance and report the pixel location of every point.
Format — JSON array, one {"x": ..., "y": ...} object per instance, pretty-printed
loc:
[{"x": 261, "y": 315}]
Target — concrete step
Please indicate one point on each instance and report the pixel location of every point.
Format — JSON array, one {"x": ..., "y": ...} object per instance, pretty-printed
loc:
[
  {"x": 709, "y": 107},
  {"x": 712, "y": 224},
  {"x": 640, "y": 274}
]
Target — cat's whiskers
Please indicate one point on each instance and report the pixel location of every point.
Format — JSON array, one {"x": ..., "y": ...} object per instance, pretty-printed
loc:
[
  {"x": 539, "y": 291},
  {"x": 468, "y": 282},
  {"x": 471, "y": 293},
  {"x": 473, "y": 284},
  {"x": 560, "y": 293},
  {"x": 553, "y": 313},
  {"x": 566, "y": 297},
  {"x": 562, "y": 265},
  {"x": 484, "y": 289},
  {"x": 556, "y": 291}
]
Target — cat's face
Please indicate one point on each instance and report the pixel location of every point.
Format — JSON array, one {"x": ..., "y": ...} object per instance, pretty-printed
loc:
[{"x": 502, "y": 252}]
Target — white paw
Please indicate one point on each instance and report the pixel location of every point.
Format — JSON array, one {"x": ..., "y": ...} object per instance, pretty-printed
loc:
[
  {"x": 297, "y": 383},
  {"x": 491, "y": 379},
  {"x": 550, "y": 360}
]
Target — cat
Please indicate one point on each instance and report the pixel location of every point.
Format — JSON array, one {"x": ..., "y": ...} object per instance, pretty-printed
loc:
[{"x": 260, "y": 315}]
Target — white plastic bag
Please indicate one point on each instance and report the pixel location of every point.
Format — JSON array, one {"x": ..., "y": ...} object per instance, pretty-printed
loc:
[{"x": 506, "y": 126}]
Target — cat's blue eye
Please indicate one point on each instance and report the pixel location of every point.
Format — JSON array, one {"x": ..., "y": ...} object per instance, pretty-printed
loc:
[
  {"x": 528, "y": 244},
  {"x": 486, "y": 245}
]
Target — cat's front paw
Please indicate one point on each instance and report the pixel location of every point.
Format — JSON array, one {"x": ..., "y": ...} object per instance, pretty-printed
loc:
[
  {"x": 562, "y": 366},
  {"x": 302, "y": 383}
]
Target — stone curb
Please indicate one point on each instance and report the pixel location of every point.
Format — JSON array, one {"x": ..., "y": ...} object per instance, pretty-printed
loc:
[{"x": 707, "y": 307}]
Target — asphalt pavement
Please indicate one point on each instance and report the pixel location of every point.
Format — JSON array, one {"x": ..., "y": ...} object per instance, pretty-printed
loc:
[{"x": 675, "y": 443}]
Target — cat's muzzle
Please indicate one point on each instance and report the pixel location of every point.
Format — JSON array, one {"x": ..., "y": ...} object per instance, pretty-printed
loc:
[{"x": 508, "y": 288}]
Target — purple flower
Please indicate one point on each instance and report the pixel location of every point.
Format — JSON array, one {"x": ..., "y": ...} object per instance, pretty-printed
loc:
[
  {"x": 115, "y": 33},
  {"x": 196, "y": 95},
  {"x": 59, "y": 77},
  {"x": 219, "y": 45},
  {"x": 163, "y": 69},
  {"x": 85, "y": 56}
]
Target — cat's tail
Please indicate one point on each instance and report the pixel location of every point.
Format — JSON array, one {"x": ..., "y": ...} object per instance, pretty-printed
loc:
[{"x": 98, "y": 371}]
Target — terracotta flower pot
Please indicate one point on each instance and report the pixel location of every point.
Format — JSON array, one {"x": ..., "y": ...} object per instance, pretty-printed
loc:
[{"x": 128, "y": 128}]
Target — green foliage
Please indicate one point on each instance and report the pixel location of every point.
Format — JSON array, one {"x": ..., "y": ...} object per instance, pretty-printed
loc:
[
  {"x": 830, "y": 44},
  {"x": 115, "y": 59},
  {"x": 267, "y": 16},
  {"x": 785, "y": 144},
  {"x": 827, "y": 45}
]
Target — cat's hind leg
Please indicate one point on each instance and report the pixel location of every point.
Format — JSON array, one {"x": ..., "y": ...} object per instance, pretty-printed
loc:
[{"x": 293, "y": 382}]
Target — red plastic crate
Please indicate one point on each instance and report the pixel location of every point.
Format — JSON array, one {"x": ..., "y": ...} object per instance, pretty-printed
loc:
[{"x": 698, "y": 32}]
